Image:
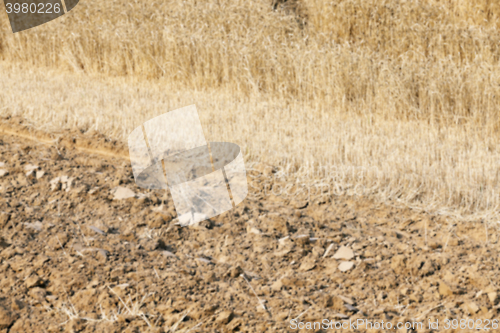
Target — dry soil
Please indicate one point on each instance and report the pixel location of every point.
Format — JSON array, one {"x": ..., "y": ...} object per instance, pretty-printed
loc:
[{"x": 74, "y": 258}]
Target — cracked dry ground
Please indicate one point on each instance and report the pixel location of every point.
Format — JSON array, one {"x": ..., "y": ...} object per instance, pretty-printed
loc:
[{"x": 74, "y": 259}]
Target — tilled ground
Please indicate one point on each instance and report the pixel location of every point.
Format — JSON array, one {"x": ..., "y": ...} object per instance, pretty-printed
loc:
[{"x": 74, "y": 258}]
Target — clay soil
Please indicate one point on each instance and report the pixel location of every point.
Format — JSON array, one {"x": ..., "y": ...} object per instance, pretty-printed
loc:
[{"x": 75, "y": 258}]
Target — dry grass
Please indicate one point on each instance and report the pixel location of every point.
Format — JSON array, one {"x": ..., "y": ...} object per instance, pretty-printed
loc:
[{"x": 399, "y": 98}]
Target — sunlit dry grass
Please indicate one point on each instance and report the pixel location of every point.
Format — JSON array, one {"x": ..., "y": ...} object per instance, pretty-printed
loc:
[{"x": 407, "y": 91}]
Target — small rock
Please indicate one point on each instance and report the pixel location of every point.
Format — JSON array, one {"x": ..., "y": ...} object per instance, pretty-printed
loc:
[
  {"x": 120, "y": 193},
  {"x": 423, "y": 265},
  {"x": 38, "y": 294},
  {"x": 188, "y": 218},
  {"x": 326, "y": 301},
  {"x": 234, "y": 325},
  {"x": 156, "y": 222},
  {"x": 40, "y": 261},
  {"x": 18, "y": 305},
  {"x": 35, "y": 225},
  {"x": 344, "y": 266},
  {"x": 318, "y": 251},
  {"x": 235, "y": 271},
  {"x": 96, "y": 229},
  {"x": 224, "y": 317},
  {"x": 55, "y": 184},
  {"x": 149, "y": 244},
  {"x": 398, "y": 263},
  {"x": 7, "y": 318},
  {"x": 31, "y": 170},
  {"x": 351, "y": 308},
  {"x": 493, "y": 297},
  {"x": 282, "y": 315},
  {"x": 102, "y": 255},
  {"x": 56, "y": 156},
  {"x": 3, "y": 243},
  {"x": 328, "y": 249},
  {"x": 29, "y": 167},
  {"x": 277, "y": 224},
  {"x": 330, "y": 267},
  {"x": 292, "y": 282},
  {"x": 299, "y": 204},
  {"x": 210, "y": 277},
  {"x": 346, "y": 299},
  {"x": 33, "y": 281},
  {"x": 4, "y": 218},
  {"x": 39, "y": 174},
  {"x": 302, "y": 240},
  {"x": 276, "y": 286},
  {"x": 159, "y": 220},
  {"x": 205, "y": 224},
  {"x": 434, "y": 245},
  {"x": 472, "y": 307},
  {"x": 368, "y": 254},
  {"x": 168, "y": 254},
  {"x": 253, "y": 230},
  {"x": 344, "y": 253},
  {"x": 58, "y": 241},
  {"x": 307, "y": 265},
  {"x": 204, "y": 261},
  {"x": 340, "y": 316},
  {"x": 444, "y": 289},
  {"x": 3, "y": 172},
  {"x": 93, "y": 190}
]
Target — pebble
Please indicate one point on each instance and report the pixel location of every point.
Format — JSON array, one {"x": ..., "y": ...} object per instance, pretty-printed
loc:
[
  {"x": 33, "y": 281},
  {"x": 6, "y": 318},
  {"x": 444, "y": 289},
  {"x": 30, "y": 167},
  {"x": 121, "y": 193},
  {"x": 344, "y": 253},
  {"x": 204, "y": 261},
  {"x": 344, "y": 266},
  {"x": 253, "y": 230},
  {"x": 307, "y": 265},
  {"x": 224, "y": 317},
  {"x": 96, "y": 229},
  {"x": 35, "y": 225}
]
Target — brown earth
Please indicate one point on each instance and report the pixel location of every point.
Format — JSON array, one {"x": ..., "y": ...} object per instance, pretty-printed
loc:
[{"x": 73, "y": 258}]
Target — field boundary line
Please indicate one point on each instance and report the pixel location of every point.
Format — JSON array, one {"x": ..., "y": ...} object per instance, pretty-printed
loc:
[{"x": 22, "y": 131}]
